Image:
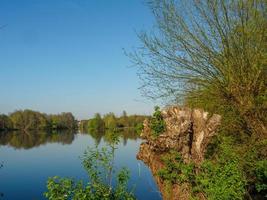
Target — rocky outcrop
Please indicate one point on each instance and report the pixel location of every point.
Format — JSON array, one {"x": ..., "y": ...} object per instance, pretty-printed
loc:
[{"x": 188, "y": 131}]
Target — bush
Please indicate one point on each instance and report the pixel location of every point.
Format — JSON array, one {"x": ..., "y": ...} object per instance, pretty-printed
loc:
[
  {"x": 175, "y": 170},
  {"x": 157, "y": 123},
  {"x": 223, "y": 177},
  {"x": 138, "y": 128},
  {"x": 99, "y": 164},
  {"x": 221, "y": 181},
  {"x": 261, "y": 174}
]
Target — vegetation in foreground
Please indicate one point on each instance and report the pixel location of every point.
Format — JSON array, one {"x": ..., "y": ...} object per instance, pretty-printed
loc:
[
  {"x": 99, "y": 164},
  {"x": 212, "y": 55}
]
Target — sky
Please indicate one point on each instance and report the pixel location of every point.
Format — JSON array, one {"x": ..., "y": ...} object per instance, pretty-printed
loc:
[{"x": 67, "y": 56}]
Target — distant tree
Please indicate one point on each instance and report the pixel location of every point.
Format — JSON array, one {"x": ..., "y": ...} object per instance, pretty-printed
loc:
[
  {"x": 68, "y": 120},
  {"x": 123, "y": 121},
  {"x": 110, "y": 121},
  {"x": 96, "y": 125},
  {"x": 17, "y": 119},
  {"x": 5, "y": 122},
  {"x": 83, "y": 125},
  {"x": 124, "y": 114},
  {"x": 33, "y": 120},
  {"x": 63, "y": 121}
]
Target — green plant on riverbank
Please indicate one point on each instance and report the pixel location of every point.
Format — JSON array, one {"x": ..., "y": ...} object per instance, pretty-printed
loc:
[
  {"x": 157, "y": 124},
  {"x": 261, "y": 174},
  {"x": 175, "y": 170},
  {"x": 212, "y": 55},
  {"x": 223, "y": 179},
  {"x": 99, "y": 164}
]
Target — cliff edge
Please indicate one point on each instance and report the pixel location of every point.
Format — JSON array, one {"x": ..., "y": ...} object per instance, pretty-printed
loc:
[{"x": 188, "y": 131}]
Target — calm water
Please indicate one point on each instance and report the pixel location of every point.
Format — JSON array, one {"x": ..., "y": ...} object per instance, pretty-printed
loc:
[{"x": 30, "y": 158}]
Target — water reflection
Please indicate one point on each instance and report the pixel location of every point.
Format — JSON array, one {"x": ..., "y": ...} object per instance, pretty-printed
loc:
[
  {"x": 123, "y": 134},
  {"x": 1, "y": 194},
  {"x": 35, "y": 156},
  {"x": 28, "y": 140}
]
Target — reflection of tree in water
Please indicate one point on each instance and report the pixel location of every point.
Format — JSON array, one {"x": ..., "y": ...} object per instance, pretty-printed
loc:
[
  {"x": 27, "y": 140},
  {"x": 124, "y": 135},
  {"x": 129, "y": 133},
  {"x": 1, "y": 193},
  {"x": 97, "y": 136}
]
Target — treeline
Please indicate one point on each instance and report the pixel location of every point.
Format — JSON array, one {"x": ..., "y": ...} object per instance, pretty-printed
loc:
[
  {"x": 33, "y": 120},
  {"x": 110, "y": 121}
]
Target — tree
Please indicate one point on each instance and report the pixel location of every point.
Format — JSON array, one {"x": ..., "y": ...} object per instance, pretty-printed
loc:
[
  {"x": 96, "y": 125},
  {"x": 210, "y": 54},
  {"x": 5, "y": 122},
  {"x": 110, "y": 121},
  {"x": 17, "y": 119},
  {"x": 33, "y": 120}
]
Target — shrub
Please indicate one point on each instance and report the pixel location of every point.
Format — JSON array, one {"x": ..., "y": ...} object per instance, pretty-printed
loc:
[
  {"x": 223, "y": 182},
  {"x": 157, "y": 123},
  {"x": 175, "y": 170},
  {"x": 223, "y": 177},
  {"x": 99, "y": 165},
  {"x": 261, "y": 174}
]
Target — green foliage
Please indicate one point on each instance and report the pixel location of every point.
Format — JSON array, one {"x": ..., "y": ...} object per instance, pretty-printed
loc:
[
  {"x": 209, "y": 54},
  {"x": 5, "y": 123},
  {"x": 96, "y": 125},
  {"x": 66, "y": 189},
  {"x": 261, "y": 175},
  {"x": 59, "y": 189},
  {"x": 221, "y": 181},
  {"x": 138, "y": 128},
  {"x": 212, "y": 55},
  {"x": 29, "y": 120},
  {"x": 99, "y": 164},
  {"x": 175, "y": 170},
  {"x": 157, "y": 124},
  {"x": 224, "y": 177},
  {"x": 62, "y": 121},
  {"x": 32, "y": 120},
  {"x": 110, "y": 121}
]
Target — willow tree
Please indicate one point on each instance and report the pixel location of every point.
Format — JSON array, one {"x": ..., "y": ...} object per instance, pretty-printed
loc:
[{"x": 210, "y": 54}]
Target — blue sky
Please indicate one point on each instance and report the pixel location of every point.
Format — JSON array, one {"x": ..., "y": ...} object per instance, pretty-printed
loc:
[{"x": 67, "y": 55}]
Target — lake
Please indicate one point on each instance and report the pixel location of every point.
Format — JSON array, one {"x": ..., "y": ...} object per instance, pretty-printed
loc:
[{"x": 28, "y": 160}]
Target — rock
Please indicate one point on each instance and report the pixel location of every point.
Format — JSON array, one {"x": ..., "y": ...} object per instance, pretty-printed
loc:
[
  {"x": 188, "y": 131},
  {"x": 153, "y": 160}
]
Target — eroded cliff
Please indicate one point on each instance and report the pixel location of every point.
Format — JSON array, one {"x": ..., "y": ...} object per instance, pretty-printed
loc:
[{"x": 188, "y": 131}]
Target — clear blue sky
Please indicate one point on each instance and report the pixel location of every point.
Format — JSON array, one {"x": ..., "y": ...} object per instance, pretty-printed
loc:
[{"x": 66, "y": 55}]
